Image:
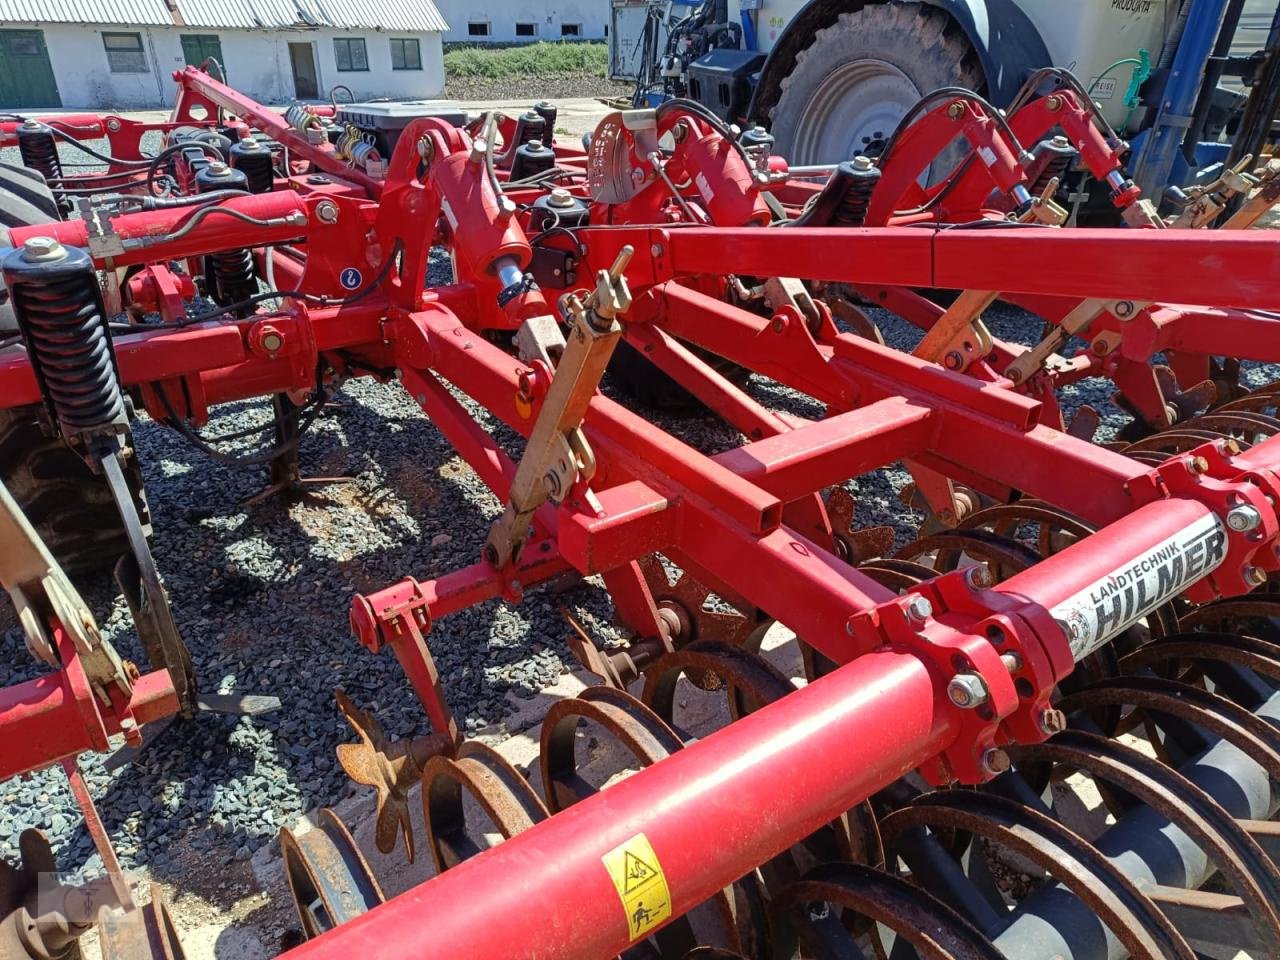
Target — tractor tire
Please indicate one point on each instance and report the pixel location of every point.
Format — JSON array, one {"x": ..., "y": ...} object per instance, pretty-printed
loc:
[
  {"x": 25, "y": 198},
  {"x": 635, "y": 376},
  {"x": 853, "y": 84},
  {"x": 69, "y": 506}
]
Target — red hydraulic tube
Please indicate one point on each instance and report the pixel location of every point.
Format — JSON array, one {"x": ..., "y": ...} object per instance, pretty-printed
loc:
[{"x": 712, "y": 813}]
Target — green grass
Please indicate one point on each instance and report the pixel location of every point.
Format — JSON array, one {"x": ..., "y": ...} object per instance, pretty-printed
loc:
[{"x": 533, "y": 60}]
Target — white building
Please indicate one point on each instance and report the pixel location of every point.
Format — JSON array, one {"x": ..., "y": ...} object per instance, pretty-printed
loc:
[
  {"x": 121, "y": 54},
  {"x": 525, "y": 20}
]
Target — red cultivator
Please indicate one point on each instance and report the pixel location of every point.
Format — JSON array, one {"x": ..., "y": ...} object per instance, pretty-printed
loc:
[{"x": 1066, "y": 593}]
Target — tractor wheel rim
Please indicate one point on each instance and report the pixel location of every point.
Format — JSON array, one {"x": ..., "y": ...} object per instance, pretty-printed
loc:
[{"x": 854, "y": 111}]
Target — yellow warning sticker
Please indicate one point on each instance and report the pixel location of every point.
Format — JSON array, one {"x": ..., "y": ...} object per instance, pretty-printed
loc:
[{"x": 642, "y": 887}]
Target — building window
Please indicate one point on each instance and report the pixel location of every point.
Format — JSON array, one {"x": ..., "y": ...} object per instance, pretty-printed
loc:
[
  {"x": 526, "y": 29},
  {"x": 570, "y": 29},
  {"x": 475, "y": 29},
  {"x": 405, "y": 54},
  {"x": 124, "y": 52},
  {"x": 350, "y": 54}
]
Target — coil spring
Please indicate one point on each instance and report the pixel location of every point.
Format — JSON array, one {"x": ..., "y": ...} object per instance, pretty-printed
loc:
[
  {"x": 852, "y": 211},
  {"x": 301, "y": 118},
  {"x": 39, "y": 151},
  {"x": 63, "y": 322},
  {"x": 356, "y": 148},
  {"x": 233, "y": 275},
  {"x": 257, "y": 167},
  {"x": 1061, "y": 156}
]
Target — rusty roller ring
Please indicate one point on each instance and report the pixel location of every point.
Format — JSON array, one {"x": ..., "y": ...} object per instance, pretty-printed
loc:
[
  {"x": 1006, "y": 518},
  {"x": 1256, "y": 738},
  {"x": 739, "y": 909},
  {"x": 1065, "y": 856},
  {"x": 1172, "y": 442},
  {"x": 897, "y": 575},
  {"x": 1177, "y": 799},
  {"x": 508, "y": 800},
  {"x": 634, "y": 726},
  {"x": 1254, "y": 615},
  {"x": 1229, "y": 422},
  {"x": 935, "y": 930},
  {"x": 328, "y": 876},
  {"x": 752, "y": 680},
  {"x": 1005, "y": 555},
  {"x": 1261, "y": 657}
]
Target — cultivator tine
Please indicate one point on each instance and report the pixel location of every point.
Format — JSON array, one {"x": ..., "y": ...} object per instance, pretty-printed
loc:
[
  {"x": 390, "y": 767},
  {"x": 142, "y": 933}
]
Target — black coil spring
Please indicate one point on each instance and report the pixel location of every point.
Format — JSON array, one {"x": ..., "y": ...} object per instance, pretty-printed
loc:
[
  {"x": 63, "y": 325},
  {"x": 233, "y": 275},
  {"x": 1056, "y": 167},
  {"x": 852, "y": 211},
  {"x": 257, "y": 168},
  {"x": 39, "y": 151}
]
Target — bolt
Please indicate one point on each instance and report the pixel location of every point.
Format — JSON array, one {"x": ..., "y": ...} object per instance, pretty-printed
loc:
[
  {"x": 978, "y": 577},
  {"x": 967, "y": 690},
  {"x": 1124, "y": 309},
  {"x": 1198, "y": 465},
  {"x": 1061, "y": 142},
  {"x": 31, "y": 125},
  {"x": 657, "y": 250},
  {"x": 637, "y": 174},
  {"x": 128, "y": 723},
  {"x": 956, "y": 110},
  {"x": 43, "y": 250},
  {"x": 953, "y": 359},
  {"x": 1054, "y": 103},
  {"x": 863, "y": 163},
  {"x": 919, "y": 608},
  {"x": 217, "y": 168},
  {"x": 1255, "y": 575},
  {"x": 560, "y": 197},
  {"x": 327, "y": 211},
  {"x": 1229, "y": 446},
  {"x": 1244, "y": 518},
  {"x": 995, "y": 762},
  {"x": 1012, "y": 662},
  {"x": 113, "y": 125},
  {"x": 778, "y": 325},
  {"x": 552, "y": 481},
  {"x": 271, "y": 342},
  {"x": 1052, "y": 721}
]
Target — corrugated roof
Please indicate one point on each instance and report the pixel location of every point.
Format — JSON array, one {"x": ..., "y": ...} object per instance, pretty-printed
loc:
[
  {"x": 415, "y": 16},
  {"x": 142, "y": 12}
]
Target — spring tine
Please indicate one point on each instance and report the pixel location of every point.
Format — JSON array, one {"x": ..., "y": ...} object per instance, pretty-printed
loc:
[
  {"x": 1252, "y": 874},
  {"x": 933, "y": 928},
  {"x": 1071, "y": 860},
  {"x": 506, "y": 797},
  {"x": 1251, "y": 734}
]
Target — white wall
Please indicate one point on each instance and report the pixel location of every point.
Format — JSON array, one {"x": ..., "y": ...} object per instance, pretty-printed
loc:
[
  {"x": 257, "y": 64},
  {"x": 503, "y": 15}
]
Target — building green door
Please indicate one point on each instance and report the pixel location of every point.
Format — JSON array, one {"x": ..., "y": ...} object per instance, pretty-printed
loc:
[
  {"x": 199, "y": 47},
  {"x": 26, "y": 76}
]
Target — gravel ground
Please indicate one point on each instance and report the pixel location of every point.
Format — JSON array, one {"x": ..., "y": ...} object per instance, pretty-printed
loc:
[{"x": 261, "y": 595}]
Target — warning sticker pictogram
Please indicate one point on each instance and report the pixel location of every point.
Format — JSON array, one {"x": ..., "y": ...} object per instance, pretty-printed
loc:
[{"x": 642, "y": 887}]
